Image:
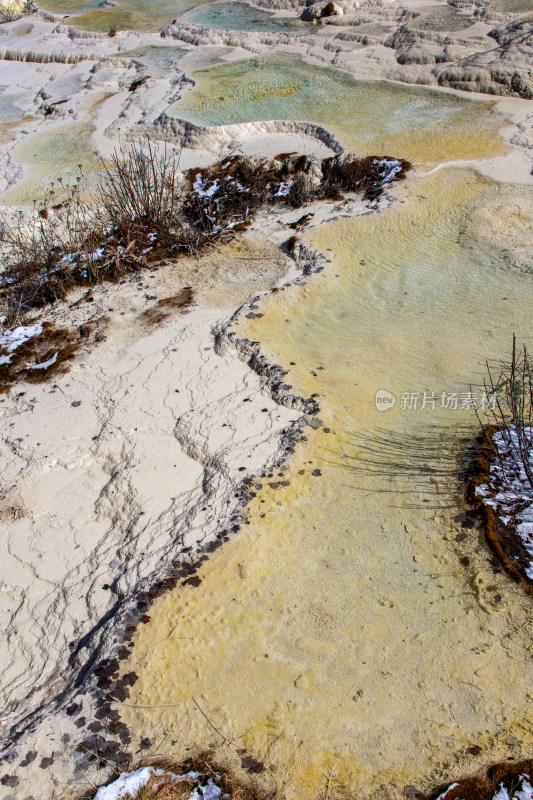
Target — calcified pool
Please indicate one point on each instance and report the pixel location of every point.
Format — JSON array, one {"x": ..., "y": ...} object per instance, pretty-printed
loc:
[
  {"x": 53, "y": 161},
  {"x": 354, "y": 635},
  {"x": 237, "y": 16},
  {"x": 442, "y": 18},
  {"x": 136, "y": 15},
  {"x": 369, "y": 117}
]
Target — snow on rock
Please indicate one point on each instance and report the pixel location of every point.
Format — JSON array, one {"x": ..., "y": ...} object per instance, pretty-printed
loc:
[
  {"x": 129, "y": 784},
  {"x": 524, "y": 791},
  {"x": 509, "y": 492},
  {"x": 12, "y": 339},
  {"x": 388, "y": 169}
]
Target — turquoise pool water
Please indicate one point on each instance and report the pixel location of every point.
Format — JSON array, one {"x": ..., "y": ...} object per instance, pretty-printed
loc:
[
  {"x": 369, "y": 117},
  {"x": 243, "y": 17}
]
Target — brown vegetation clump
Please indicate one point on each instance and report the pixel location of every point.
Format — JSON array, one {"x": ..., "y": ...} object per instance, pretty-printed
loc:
[
  {"x": 226, "y": 196},
  {"x": 503, "y": 463},
  {"x": 172, "y": 781},
  {"x": 144, "y": 209},
  {"x": 48, "y": 353},
  {"x": 508, "y": 776},
  {"x": 501, "y": 538},
  {"x": 202, "y": 777},
  {"x": 164, "y": 308},
  {"x": 347, "y": 173}
]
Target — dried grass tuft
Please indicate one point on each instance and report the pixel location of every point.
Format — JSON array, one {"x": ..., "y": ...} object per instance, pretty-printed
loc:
[{"x": 144, "y": 209}]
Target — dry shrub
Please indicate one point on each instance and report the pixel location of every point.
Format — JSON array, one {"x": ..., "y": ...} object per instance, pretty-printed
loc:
[
  {"x": 502, "y": 452},
  {"x": 75, "y": 243},
  {"x": 56, "y": 250},
  {"x": 511, "y": 384},
  {"x": 141, "y": 184}
]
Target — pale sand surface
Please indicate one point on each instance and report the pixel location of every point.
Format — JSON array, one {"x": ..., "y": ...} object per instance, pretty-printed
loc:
[
  {"x": 108, "y": 490},
  {"x": 143, "y": 465}
]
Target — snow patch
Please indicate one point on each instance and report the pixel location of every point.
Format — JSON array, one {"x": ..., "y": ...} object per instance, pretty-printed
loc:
[
  {"x": 449, "y": 789},
  {"x": 11, "y": 340},
  {"x": 523, "y": 792},
  {"x": 199, "y": 187},
  {"x": 526, "y": 790},
  {"x": 388, "y": 169},
  {"x": 284, "y": 189},
  {"x": 130, "y": 783},
  {"x": 509, "y": 492},
  {"x": 45, "y": 364},
  {"x": 501, "y": 794}
]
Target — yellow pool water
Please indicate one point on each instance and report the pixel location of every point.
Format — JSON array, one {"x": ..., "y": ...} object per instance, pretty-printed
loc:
[
  {"x": 136, "y": 15},
  {"x": 346, "y": 638}
]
